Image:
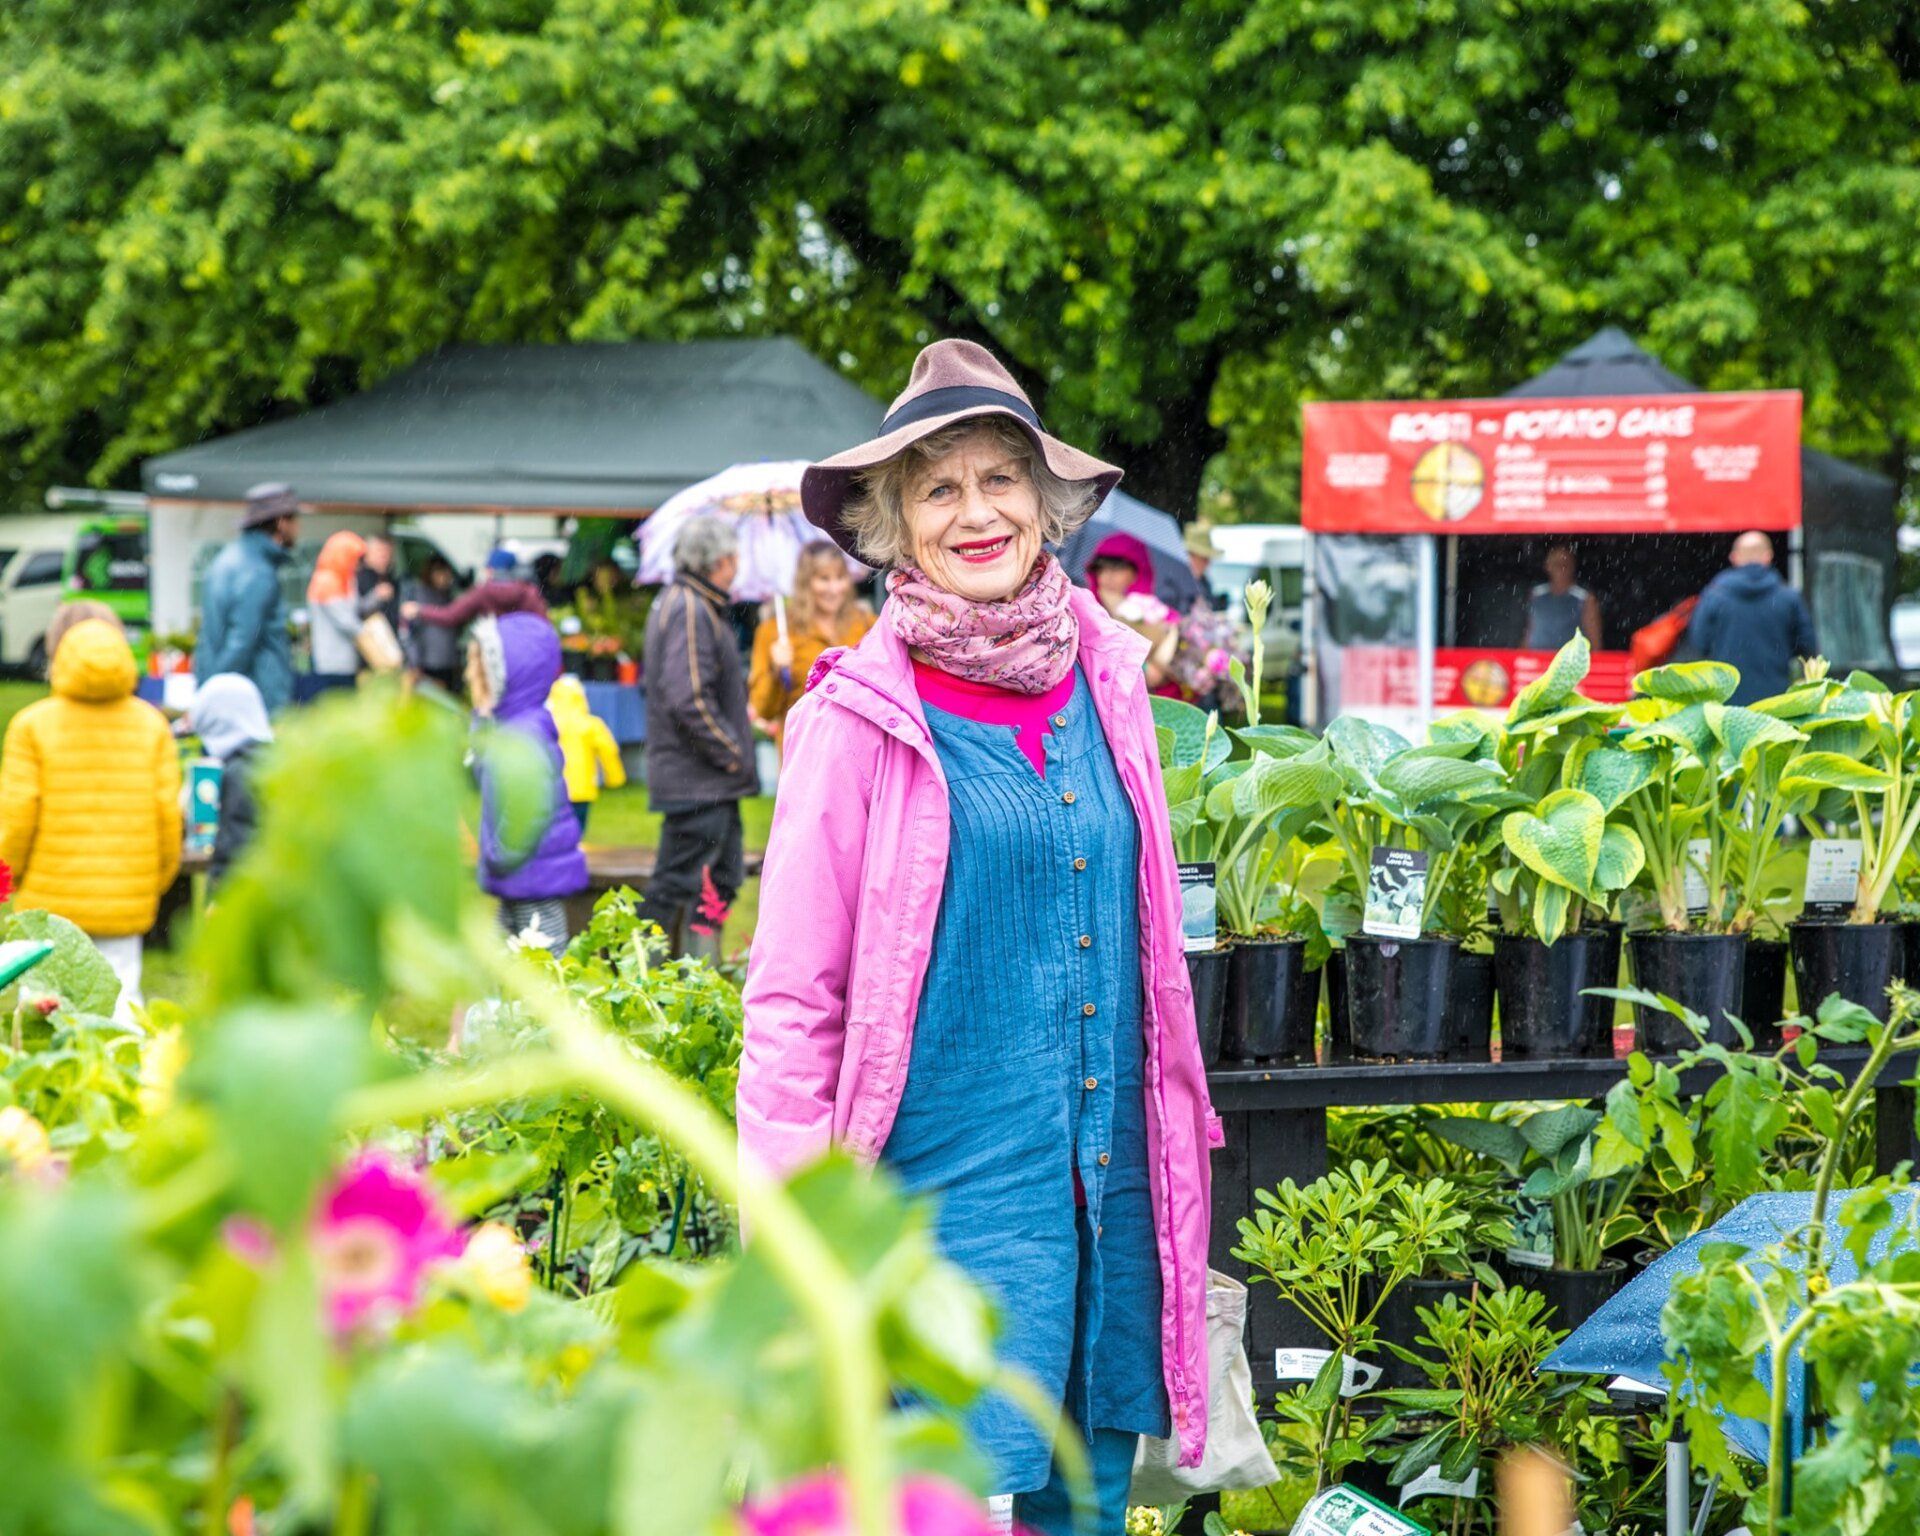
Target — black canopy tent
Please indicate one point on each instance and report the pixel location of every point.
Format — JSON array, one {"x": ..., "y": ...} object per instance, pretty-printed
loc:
[
  {"x": 1845, "y": 558},
  {"x": 521, "y": 435},
  {"x": 611, "y": 428}
]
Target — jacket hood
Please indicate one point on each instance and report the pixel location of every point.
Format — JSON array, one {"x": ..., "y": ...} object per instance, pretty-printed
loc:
[
  {"x": 568, "y": 699},
  {"x": 1124, "y": 546},
  {"x": 228, "y": 714},
  {"x": 1751, "y": 580},
  {"x": 529, "y": 661},
  {"x": 94, "y": 663},
  {"x": 333, "y": 571}
]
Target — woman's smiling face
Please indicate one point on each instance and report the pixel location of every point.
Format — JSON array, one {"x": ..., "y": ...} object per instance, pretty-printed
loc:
[{"x": 973, "y": 519}]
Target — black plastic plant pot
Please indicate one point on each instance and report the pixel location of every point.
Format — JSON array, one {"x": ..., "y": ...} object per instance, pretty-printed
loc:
[
  {"x": 1398, "y": 1321},
  {"x": 1574, "y": 1294},
  {"x": 1471, "y": 1010},
  {"x": 1544, "y": 1011},
  {"x": 1271, "y": 999},
  {"x": 1706, "y": 972},
  {"x": 1207, "y": 970},
  {"x": 1765, "y": 991},
  {"x": 1398, "y": 991},
  {"x": 1856, "y": 960},
  {"x": 1910, "y": 952},
  {"x": 1339, "y": 1046}
]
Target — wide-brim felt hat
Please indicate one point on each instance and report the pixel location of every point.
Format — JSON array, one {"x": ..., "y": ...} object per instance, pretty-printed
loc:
[{"x": 951, "y": 381}]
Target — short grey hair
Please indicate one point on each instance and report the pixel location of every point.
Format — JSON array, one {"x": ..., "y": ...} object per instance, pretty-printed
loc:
[
  {"x": 702, "y": 545},
  {"x": 875, "y": 512}
]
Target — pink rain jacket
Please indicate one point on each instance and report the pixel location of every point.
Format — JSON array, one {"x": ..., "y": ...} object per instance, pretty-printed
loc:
[{"x": 848, "y": 898}]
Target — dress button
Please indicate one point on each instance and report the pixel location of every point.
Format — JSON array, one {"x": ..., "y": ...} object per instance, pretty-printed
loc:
[
  {"x": 893, "y": 722},
  {"x": 1079, "y": 863},
  {"x": 1105, "y": 1159},
  {"x": 1059, "y": 722},
  {"x": 1086, "y": 941},
  {"x": 1099, "y": 1231},
  {"x": 1087, "y": 1009},
  {"x": 1092, "y": 1083},
  {"x": 1068, "y": 797}
]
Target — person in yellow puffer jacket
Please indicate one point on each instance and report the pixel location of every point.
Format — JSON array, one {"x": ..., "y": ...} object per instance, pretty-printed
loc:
[
  {"x": 90, "y": 818},
  {"x": 587, "y": 747}
]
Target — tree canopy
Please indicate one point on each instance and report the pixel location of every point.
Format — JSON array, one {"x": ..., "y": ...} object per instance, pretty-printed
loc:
[{"x": 1176, "y": 220}]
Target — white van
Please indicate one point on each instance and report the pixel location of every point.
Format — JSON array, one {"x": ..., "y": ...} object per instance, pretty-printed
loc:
[
  {"x": 33, "y": 559},
  {"x": 1275, "y": 553}
]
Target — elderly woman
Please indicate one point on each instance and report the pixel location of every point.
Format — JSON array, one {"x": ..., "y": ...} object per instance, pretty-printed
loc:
[{"x": 968, "y": 964}]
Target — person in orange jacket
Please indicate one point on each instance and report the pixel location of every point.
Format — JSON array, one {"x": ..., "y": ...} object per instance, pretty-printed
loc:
[
  {"x": 90, "y": 819},
  {"x": 822, "y": 613}
]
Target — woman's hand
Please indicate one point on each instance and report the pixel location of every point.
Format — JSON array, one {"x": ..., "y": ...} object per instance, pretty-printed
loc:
[{"x": 781, "y": 654}]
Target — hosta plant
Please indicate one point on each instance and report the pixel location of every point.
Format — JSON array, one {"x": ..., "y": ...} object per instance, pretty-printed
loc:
[{"x": 1567, "y": 860}]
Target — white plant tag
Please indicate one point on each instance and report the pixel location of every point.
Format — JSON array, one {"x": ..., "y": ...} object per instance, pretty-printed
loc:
[
  {"x": 1634, "y": 1384},
  {"x": 1396, "y": 893},
  {"x": 1356, "y": 1376},
  {"x": 1833, "y": 875},
  {"x": 1699, "y": 850},
  {"x": 1431, "y": 1485},
  {"x": 1199, "y": 908},
  {"x": 1000, "y": 1514},
  {"x": 1344, "y": 1511}
]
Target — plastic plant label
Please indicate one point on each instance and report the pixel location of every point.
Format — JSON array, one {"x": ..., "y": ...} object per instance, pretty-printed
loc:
[
  {"x": 1199, "y": 908},
  {"x": 1344, "y": 1511},
  {"x": 1431, "y": 1485},
  {"x": 1635, "y": 1386},
  {"x": 1699, "y": 851},
  {"x": 1396, "y": 893},
  {"x": 1356, "y": 1376},
  {"x": 1833, "y": 876},
  {"x": 203, "y": 805},
  {"x": 1000, "y": 1514}
]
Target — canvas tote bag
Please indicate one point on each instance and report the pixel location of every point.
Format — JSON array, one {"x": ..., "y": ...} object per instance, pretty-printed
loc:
[{"x": 1236, "y": 1456}]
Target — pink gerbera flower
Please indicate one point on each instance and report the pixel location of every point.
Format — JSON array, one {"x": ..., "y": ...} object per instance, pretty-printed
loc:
[
  {"x": 818, "y": 1506},
  {"x": 377, "y": 1233}
]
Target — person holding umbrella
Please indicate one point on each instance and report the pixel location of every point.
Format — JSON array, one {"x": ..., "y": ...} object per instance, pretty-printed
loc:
[
  {"x": 969, "y": 960},
  {"x": 822, "y": 613}
]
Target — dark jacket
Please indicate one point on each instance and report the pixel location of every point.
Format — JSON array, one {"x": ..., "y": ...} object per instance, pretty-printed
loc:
[
  {"x": 433, "y": 648},
  {"x": 1750, "y": 618},
  {"x": 699, "y": 744},
  {"x": 239, "y": 812},
  {"x": 493, "y": 596},
  {"x": 243, "y": 618},
  {"x": 530, "y": 652}
]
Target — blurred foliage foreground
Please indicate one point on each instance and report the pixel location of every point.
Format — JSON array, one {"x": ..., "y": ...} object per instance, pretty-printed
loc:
[{"x": 279, "y": 1264}]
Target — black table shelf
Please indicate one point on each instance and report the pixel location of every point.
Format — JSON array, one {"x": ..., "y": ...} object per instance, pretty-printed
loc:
[{"x": 1276, "y": 1128}]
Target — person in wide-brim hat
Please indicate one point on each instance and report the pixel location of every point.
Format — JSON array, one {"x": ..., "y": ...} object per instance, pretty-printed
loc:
[{"x": 969, "y": 959}]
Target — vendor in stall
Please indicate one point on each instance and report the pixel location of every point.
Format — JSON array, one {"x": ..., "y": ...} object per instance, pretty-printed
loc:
[{"x": 1557, "y": 609}]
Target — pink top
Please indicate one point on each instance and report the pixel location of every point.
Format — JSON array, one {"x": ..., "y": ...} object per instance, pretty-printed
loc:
[{"x": 985, "y": 704}]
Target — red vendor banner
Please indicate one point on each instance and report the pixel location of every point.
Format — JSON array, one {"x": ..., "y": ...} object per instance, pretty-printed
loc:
[
  {"x": 1680, "y": 463},
  {"x": 1387, "y": 677}
]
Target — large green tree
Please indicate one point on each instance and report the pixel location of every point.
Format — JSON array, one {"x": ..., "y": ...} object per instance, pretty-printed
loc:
[{"x": 1177, "y": 220}]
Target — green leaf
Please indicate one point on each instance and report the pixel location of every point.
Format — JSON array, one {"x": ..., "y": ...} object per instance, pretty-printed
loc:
[
  {"x": 1552, "y": 1130},
  {"x": 1555, "y": 686},
  {"x": 1612, "y": 774},
  {"x": 76, "y": 972},
  {"x": 1189, "y": 730},
  {"x": 1561, "y": 844},
  {"x": 1420, "y": 779},
  {"x": 1812, "y": 772},
  {"x": 1496, "y": 1139},
  {"x": 1622, "y": 857},
  {"x": 1363, "y": 748},
  {"x": 1275, "y": 740},
  {"x": 1419, "y": 1456},
  {"x": 1689, "y": 682}
]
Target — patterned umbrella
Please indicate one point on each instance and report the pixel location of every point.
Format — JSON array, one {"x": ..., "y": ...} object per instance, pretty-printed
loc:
[{"x": 763, "y": 503}]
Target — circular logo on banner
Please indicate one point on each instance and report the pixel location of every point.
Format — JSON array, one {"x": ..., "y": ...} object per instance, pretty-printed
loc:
[
  {"x": 1448, "y": 482},
  {"x": 1484, "y": 682}
]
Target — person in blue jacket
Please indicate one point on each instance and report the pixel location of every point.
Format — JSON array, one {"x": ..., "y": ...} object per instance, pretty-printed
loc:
[
  {"x": 1750, "y": 618},
  {"x": 243, "y": 612}
]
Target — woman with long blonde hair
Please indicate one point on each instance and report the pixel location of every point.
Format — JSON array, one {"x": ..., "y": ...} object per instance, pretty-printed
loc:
[{"x": 822, "y": 613}]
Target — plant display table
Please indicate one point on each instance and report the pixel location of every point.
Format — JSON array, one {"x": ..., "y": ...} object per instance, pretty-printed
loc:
[{"x": 1276, "y": 1127}]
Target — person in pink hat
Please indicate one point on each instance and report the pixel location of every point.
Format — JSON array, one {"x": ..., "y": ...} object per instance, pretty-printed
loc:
[{"x": 968, "y": 965}]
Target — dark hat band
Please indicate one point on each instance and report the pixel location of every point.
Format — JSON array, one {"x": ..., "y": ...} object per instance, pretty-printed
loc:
[{"x": 958, "y": 397}]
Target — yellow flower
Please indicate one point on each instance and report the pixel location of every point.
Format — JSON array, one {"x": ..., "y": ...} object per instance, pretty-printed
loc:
[
  {"x": 495, "y": 1263},
  {"x": 23, "y": 1139},
  {"x": 161, "y": 1058}
]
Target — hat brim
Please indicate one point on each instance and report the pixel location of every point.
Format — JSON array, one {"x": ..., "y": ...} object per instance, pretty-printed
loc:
[{"x": 824, "y": 487}]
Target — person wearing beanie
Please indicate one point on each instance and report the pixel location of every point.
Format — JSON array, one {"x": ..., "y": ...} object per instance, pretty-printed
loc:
[
  {"x": 243, "y": 612},
  {"x": 231, "y": 721},
  {"x": 90, "y": 819},
  {"x": 503, "y": 592}
]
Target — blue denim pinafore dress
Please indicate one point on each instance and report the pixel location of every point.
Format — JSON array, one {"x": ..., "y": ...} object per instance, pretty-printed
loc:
[{"x": 1027, "y": 1066}]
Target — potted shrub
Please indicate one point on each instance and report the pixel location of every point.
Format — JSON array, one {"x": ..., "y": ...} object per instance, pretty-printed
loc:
[
  {"x": 1433, "y": 799},
  {"x": 1336, "y": 1250},
  {"x": 1560, "y": 865},
  {"x": 1685, "y": 811},
  {"x": 1860, "y": 771},
  {"x": 1583, "y": 1169}
]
